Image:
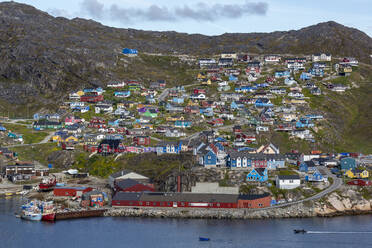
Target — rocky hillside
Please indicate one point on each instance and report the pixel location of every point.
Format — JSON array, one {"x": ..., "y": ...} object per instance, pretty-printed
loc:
[{"x": 45, "y": 56}]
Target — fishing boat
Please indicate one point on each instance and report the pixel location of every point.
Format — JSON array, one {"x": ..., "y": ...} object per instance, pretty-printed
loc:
[
  {"x": 48, "y": 184},
  {"x": 296, "y": 231},
  {"x": 28, "y": 215},
  {"x": 48, "y": 211},
  {"x": 204, "y": 239}
]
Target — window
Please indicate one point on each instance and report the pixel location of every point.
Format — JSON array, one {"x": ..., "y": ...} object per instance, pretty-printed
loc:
[
  {"x": 147, "y": 203},
  {"x": 140, "y": 203},
  {"x": 218, "y": 204},
  {"x": 260, "y": 204},
  {"x": 168, "y": 204},
  {"x": 290, "y": 181},
  {"x": 209, "y": 157}
]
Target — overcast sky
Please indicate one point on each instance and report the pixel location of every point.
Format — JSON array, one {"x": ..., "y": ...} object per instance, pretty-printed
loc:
[{"x": 213, "y": 17}]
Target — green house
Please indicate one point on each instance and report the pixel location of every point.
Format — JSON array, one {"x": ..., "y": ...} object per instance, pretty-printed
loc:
[
  {"x": 45, "y": 124},
  {"x": 151, "y": 113}
]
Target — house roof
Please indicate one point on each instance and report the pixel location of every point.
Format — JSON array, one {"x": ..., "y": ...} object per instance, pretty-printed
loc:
[
  {"x": 253, "y": 197},
  {"x": 133, "y": 175},
  {"x": 288, "y": 177},
  {"x": 127, "y": 183},
  {"x": 126, "y": 196}
]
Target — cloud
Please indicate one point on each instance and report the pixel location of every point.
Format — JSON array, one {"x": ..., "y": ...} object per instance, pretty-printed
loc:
[
  {"x": 197, "y": 12},
  {"x": 203, "y": 12}
]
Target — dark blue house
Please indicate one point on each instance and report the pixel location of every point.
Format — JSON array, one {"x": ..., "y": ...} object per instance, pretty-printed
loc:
[{"x": 208, "y": 159}]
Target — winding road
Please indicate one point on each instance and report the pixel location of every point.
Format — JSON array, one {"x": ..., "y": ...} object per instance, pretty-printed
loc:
[{"x": 337, "y": 183}]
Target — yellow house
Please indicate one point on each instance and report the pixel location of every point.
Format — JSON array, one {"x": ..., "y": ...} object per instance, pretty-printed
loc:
[
  {"x": 357, "y": 173},
  {"x": 175, "y": 118},
  {"x": 192, "y": 103},
  {"x": 201, "y": 76},
  {"x": 80, "y": 93},
  {"x": 70, "y": 138},
  {"x": 56, "y": 138},
  {"x": 206, "y": 82}
]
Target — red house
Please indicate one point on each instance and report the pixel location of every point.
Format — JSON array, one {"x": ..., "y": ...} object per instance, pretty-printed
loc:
[
  {"x": 91, "y": 97},
  {"x": 360, "y": 182},
  {"x": 141, "y": 140},
  {"x": 71, "y": 191},
  {"x": 199, "y": 91},
  {"x": 216, "y": 122},
  {"x": 237, "y": 129},
  {"x": 131, "y": 185}
]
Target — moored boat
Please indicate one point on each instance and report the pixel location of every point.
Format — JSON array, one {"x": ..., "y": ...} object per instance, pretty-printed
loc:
[
  {"x": 48, "y": 184},
  {"x": 204, "y": 239},
  {"x": 49, "y": 217},
  {"x": 28, "y": 215}
]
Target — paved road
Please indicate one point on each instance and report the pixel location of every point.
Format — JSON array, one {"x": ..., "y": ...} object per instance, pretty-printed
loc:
[
  {"x": 337, "y": 183},
  {"x": 163, "y": 95}
]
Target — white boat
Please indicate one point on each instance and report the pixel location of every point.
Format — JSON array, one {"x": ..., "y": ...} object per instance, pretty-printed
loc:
[{"x": 27, "y": 215}]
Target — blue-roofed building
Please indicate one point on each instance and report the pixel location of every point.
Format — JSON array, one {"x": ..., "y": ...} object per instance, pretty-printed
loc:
[
  {"x": 257, "y": 175},
  {"x": 263, "y": 102},
  {"x": 315, "y": 176},
  {"x": 282, "y": 74},
  {"x": 130, "y": 52},
  {"x": 305, "y": 76}
]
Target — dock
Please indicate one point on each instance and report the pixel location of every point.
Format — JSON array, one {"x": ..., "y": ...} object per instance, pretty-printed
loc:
[{"x": 80, "y": 214}]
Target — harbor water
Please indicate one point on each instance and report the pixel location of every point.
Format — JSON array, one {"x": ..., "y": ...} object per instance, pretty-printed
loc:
[{"x": 349, "y": 231}]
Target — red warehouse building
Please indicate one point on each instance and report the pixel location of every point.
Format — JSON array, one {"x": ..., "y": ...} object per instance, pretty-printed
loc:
[
  {"x": 71, "y": 191},
  {"x": 254, "y": 201}
]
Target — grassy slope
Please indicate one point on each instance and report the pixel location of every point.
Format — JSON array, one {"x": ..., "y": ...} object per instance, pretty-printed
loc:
[
  {"x": 38, "y": 153},
  {"x": 29, "y": 135}
]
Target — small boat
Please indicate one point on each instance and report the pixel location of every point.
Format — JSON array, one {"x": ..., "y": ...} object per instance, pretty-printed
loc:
[
  {"x": 296, "y": 231},
  {"x": 31, "y": 216},
  {"x": 48, "y": 184},
  {"x": 8, "y": 194},
  {"x": 204, "y": 239}
]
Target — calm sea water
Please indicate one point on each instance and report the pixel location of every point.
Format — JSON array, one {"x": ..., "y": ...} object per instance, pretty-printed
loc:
[{"x": 355, "y": 231}]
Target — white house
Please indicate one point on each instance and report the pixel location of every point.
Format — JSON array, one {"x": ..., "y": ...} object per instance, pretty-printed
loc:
[
  {"x": 272, "y": 59},
  {"x": 288, "y": 182},
  {"x": 229, "y": 55},
  {"x": 198, "y": 96},
  {"x": 321, "y": 57}
]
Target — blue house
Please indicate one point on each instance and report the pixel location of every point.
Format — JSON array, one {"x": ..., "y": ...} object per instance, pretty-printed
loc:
[
  {"x": 307, "y": 166},
  {"x": 282, "y": 74},
  {"x": 131, "y": 52},
  {"x": 182, "y": 124},
  {"x": 316, "y": 72},
  {"x": 2, "y": 128},
  {"x": 257, "y": 175},
  {"x": 305, "y": 76},
  {"x": 178, "y": 100},
  {"x": 275, "y": 161},
  {"x": 233, "y": 105},
  {"x": 168, "y": 147},
  {"x": 232, "y": 78},
  {"x": 304, "y": 123},
  {"x": 208, "y": 159},
  {"x": 206, "y": 111},
  {"x": 347, "y": 163},
  {"x": 114, "y": 123},
  {"x": 263, "y": 102},
  {"x": 262, "y": 85},
  {"x": 122, "y": 93},
  {"x": 315, "y": 176}
]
